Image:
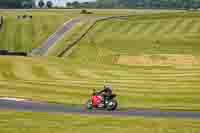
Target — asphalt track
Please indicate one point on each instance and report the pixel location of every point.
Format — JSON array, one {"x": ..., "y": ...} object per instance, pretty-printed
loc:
[
  {"x": 55, "y": 37},
  {"x": 29, "y": 106}
]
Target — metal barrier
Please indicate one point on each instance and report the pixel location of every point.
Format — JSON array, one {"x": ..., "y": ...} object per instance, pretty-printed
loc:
[
  {"x": 6, "y": 52},
  {"x": 75, "y": 42}
]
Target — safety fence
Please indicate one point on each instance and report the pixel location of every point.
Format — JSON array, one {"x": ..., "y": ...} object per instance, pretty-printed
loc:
[
  {"x": 70, "y": 47},
  {"x": 12, "y": 53}
]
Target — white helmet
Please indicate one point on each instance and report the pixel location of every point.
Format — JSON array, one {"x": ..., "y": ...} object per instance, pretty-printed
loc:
[{"x": 108, "y": 87}]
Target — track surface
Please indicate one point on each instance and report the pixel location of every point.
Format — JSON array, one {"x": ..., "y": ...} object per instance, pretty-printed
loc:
[
  {"x": 56, "y": 108},
  {"x": 55, "y": 37}
]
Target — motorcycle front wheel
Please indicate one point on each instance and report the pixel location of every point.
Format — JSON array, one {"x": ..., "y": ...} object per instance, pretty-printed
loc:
[{"x": 112, "y": 105}]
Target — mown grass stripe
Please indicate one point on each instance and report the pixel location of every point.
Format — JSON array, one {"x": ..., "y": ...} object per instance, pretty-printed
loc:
[
  {"x": 137, "y": 27},
  {"x": 172, "y": 24},
  {"x": 131, "y": 27},
  {"x": 118, "y": 87},
  {"x": 126, "y": 27},
  {"x": 160, "y": 25},
  {"x": 145, "y": 27},
  {"x": 118, "y": 26},
  {"x": 182, "y": 28},
  {"x": 195, "y": 27},
  {"x": 189, "y": 26}
]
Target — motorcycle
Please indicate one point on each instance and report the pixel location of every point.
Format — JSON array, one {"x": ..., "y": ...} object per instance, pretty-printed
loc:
[{"x": 100, "y": 102}]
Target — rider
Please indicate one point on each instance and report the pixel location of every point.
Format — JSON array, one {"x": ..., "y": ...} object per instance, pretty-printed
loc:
[{"x": 106, "y": 92}]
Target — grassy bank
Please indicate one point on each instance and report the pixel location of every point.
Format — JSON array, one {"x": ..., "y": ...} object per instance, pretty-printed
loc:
[
  {"x": 166, "y": 75},
  {"x": 54, "y": 80},
  {"x": 25, "y": 34},
  {"x": 12, "y": 122}
]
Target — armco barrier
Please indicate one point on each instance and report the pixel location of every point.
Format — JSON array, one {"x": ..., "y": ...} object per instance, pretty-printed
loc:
[
  {"x": 73, "y": 44},
  {"x": 6, "y": 52}
]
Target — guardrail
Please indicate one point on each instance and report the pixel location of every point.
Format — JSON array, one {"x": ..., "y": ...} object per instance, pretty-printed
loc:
[
  {"x": 73, "y": 44},
  {"x": 12, "y": 53}
]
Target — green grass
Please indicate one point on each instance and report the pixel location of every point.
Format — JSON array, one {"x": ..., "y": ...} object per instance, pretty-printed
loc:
[
  {"x": 24, "y": 35},
  {"x": 156, "y": 35},
  {"x": 53, "y": 80},
  {"x": 93, "y": 63},
  {"x": 12, "y": 122},
  {"x": 78, "y": 30},
  {"x": 146, "y": 85}
]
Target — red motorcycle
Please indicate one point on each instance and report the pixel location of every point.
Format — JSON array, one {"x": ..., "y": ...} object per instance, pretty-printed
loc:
[{"x": 98, "y": 101}]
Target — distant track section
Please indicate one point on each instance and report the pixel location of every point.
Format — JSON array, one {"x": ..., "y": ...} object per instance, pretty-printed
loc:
[
  {"x": 42, "y": 50},
  {"x": 23, "y": 105}
]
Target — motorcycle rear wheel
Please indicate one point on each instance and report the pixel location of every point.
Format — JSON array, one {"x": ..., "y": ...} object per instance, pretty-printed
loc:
[{"x": 89, "y": 105}]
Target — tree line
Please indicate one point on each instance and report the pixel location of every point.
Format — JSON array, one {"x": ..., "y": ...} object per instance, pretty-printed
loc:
[
  {"x": 146, "y": 4},
  {"x": 168, "y": 4},
  {"x": 17, "y": 3},
  {"x": 175, "y": 4}
]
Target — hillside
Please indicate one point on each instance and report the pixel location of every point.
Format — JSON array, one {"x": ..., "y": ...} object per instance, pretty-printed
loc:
[
  {"x": 151, "y": 61},
  {"x": 164, "y": 33},
  {"x": 18, "y": 34}
]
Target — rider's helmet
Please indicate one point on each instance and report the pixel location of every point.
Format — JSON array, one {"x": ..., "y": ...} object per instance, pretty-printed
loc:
[{"x": 108, "y": 88}]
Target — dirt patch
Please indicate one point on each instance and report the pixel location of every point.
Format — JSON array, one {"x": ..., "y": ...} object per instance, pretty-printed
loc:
[{"x": 164, "y": 59}]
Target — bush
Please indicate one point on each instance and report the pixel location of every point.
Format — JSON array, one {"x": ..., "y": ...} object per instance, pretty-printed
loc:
[
  {"x": 24, "y": 16},
  {"x": 84, "y": 11}
]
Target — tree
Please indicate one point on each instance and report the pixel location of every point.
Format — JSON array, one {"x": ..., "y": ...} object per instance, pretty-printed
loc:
[
  {"x": 10, "y": 3},
  {"x": 178, "y": 4},
  {"x": 16, "y": 3},
  {"x": 41, "y": 4},
  {"x": 27, "y": 3},
  {"x": 68, "y": 4},
  {"x": 106, "y": 3},
  {"x": 195, "y": 4},
  {"x": 49, "y": 4},
  {"x": 75, "y": 4},
  {"x": 85, "y": 4}
]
